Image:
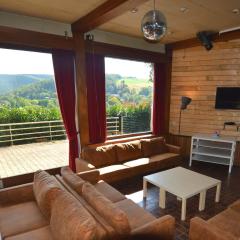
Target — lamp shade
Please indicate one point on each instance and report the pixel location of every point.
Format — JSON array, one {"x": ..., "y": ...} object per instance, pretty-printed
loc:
[{"x": 185, "y": 102}]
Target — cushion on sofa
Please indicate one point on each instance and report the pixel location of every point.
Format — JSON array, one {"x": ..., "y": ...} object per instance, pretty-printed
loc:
[
  {"x": 153, "y": 146},
  {"x": 112, "y": 214},
  {"x": 100, "y": 156},
  {"x": 114, "y": 172},
  {"x": 109, "y": 192},
  {"x": 74, "y": 181},
  {"x": 45, "y": 189},
  {"x": 235, "y": 206},
  {"x": 20, "y": 218},
  {"x": 227, "y": 221},
  {"x": 137, "y": 216},
  {"x": 70, "y": 220},
  {"x": 128, "y": 151},
  {"x": 43, "y": 233}
]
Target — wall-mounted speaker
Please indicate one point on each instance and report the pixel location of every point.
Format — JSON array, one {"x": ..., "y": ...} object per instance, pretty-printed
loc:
[{"x": 206, "y": 39}]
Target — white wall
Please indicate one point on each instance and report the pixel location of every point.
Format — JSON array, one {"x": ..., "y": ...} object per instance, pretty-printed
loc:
[{"x": 59, "y": 28}]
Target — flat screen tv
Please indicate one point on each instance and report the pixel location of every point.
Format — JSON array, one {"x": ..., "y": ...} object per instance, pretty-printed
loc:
[{"x": 228, "y": 98}]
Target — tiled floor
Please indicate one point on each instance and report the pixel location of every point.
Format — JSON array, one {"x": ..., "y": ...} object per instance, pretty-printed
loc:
[
  {"x": 27, "y": 158},
  {"x": 229, "y": 193}
]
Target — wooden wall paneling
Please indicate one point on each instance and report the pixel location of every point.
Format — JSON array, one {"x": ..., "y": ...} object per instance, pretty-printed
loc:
[
  {"x": 30, "y": 40},
  {"x": 81, "y": 88},
  {"x": 218, "y": 67}
]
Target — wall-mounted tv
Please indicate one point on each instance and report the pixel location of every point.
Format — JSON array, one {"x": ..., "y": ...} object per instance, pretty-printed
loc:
[{"x": 228, "y": 98}]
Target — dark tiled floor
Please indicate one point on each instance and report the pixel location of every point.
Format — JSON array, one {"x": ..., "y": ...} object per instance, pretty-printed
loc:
[{"x": 229, "y": 193}]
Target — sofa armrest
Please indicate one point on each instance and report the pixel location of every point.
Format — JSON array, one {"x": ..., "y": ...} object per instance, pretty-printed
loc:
[
  {"x": 202, "y": 230},
  {"x": 161, "y": 228},
  {"x": 17, "y": 194},
  {"x": 173, "y": 148},
  {"x": 91, "y": 176},
  {"x": 82, "y": 165}
]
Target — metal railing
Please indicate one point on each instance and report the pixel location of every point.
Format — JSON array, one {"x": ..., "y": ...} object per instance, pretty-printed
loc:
[{"x": 12, "y": 133}]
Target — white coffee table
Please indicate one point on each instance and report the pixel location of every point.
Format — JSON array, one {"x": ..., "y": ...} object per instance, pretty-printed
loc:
[{"x": 184, "y": 184}]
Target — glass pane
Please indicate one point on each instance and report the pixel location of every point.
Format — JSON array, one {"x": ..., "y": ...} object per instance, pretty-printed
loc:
[{"x": 129, "y": 91}]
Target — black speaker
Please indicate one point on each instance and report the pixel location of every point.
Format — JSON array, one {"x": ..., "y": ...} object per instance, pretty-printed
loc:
[{"x": 205, "y": 39}]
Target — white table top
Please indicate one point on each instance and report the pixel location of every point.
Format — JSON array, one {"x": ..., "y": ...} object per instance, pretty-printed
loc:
[{"x": 182, "y": 182}]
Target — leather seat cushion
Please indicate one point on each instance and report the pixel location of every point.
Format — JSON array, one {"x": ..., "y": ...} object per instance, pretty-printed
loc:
[
  {"x": 227, "y": 221},
  {"x": 113, "y": 172},
  {"x": 153, "y": 146},
  {"x": 20, "y": 218},
  {"x": 43, "y": 233},
  {"x": 137, "y": 216},
  {"x": 109, "y": 192},
  {"x": 100, "y": 156}
]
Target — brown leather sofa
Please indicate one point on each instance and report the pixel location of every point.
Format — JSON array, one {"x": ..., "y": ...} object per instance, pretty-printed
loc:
[
  {"x": 118, "y": 161},
  {"x": 224, "y": 226},
  {"x": 120, "y": 217},
  {"x": 43, "y": 210}
]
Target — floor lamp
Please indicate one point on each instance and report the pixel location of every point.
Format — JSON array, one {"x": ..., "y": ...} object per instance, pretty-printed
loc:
[{"x": 185, "y": 101}]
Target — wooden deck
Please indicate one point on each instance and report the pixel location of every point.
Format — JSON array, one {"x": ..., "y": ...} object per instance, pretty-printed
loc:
[{"x": 28, "y": 158}]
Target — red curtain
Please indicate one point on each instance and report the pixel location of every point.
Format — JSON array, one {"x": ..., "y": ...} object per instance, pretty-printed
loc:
[
  {"x": 63, "y": 63},
  {"x": 159, "y": 87},
  {"x": 96, "y": 97}
]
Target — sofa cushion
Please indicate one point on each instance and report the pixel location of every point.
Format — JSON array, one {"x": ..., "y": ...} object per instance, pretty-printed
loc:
[
  {"x": 165, "y": 160},
  {"x": 74, "y": 181},
  {"x": 70, "y": 220},
  {"x": 45, "y": 189},
  {"x": 100, "y": 156},
  {"x": 137, "y": 216},
  {"x": 153, "y": 146},
  {"x": 235, "y": 206},
  {"x": 112, "y": 214},
  {"x": 109, "y": 192},
  {"x": 227, "y": 221},
  {"x": 20, "y": 218},
  {"x": 128, "y": 151},
  {"x": 114, "y": 172},
  {"x": 43, "y": 233}
]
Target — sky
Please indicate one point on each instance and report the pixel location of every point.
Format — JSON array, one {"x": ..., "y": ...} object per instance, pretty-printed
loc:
[{"x": 26, "y": 62}]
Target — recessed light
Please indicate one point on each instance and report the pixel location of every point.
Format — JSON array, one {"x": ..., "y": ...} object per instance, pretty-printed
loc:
[
  {"x": 236, "y": 11},
  {"x": 134, "y": 10},
  {"x": 184, "y": 9}
]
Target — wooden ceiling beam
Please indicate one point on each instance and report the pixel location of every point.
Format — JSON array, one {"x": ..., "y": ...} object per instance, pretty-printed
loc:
[
  {"x": 194, "y": 42},
  {"x": 104, "y": 13}
]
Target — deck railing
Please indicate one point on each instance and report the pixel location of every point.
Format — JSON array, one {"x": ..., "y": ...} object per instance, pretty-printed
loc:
[
  {"x": 12, "y": 133},
  {"x": 114, "y": 125}
]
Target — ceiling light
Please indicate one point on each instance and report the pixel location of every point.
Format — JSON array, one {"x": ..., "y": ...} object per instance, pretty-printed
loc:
[
  {"x": 184, "y": 9},
  {"x": 134, "y": 10},
  {"x": 236, "y": 11},
  {"x": 154, "y": 25}
]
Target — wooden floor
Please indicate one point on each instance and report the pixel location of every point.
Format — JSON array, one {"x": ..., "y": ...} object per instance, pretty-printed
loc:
[
  {"x": 229, "y": 193},
  {"x": 27, "y": 158}
]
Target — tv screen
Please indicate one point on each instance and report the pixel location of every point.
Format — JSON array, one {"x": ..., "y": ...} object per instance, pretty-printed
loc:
[{"x": 228, "y": 98}]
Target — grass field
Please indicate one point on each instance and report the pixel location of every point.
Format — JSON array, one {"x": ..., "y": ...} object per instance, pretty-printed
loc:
[{"x": 134, "y": 83}]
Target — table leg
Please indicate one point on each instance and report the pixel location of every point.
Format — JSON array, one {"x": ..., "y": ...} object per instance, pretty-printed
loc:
[
  {"x": 144, "y": 188},
  {"x": 162, "y": 198},
  {"x": 202, "y": 200},
  {"x": 184, "y": 205},
  {"x": 217, "y": 198}
]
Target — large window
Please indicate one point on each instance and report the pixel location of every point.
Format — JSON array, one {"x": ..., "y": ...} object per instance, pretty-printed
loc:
[{"x": 129, "y": 93}]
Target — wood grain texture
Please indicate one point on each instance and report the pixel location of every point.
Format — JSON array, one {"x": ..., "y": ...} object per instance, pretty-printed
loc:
[
  {"x": 197, "y": 73},
  {"x": 105, "y": 12},
  {"x": 30, "y": 40}
]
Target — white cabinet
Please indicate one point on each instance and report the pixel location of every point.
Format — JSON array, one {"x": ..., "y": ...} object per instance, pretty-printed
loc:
[{"x": 219, "y": 150}]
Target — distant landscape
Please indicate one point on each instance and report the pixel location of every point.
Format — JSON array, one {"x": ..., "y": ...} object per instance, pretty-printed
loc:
[{"x": 32, "y": 97}]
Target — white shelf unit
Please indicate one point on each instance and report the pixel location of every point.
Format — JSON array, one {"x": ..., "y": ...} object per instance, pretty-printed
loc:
[{"x": 218, "y": 150}]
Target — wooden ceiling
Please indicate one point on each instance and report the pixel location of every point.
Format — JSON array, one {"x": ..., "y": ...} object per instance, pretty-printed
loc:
[{"x": 213, "y": 15}]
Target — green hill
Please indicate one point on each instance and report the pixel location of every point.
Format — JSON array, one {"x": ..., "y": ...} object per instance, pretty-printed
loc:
[{"x": 11, "y": 82}]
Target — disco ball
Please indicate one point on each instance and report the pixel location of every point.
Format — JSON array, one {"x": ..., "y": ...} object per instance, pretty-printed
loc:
[{"x": 154, "y": 25}]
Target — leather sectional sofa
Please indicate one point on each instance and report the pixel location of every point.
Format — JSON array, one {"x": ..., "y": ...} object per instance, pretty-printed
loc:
[
  {"x": 223, "y": 226},
  {"x": 118, "y": 161},
  {"x": 75, "y": 207}
]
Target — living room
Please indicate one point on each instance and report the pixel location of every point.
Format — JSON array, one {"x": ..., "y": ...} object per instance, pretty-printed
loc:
[{"x": 145, "y": 99}]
